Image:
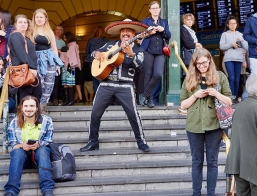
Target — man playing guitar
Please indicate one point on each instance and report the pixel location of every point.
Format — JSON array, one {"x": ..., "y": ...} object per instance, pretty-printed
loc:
[{"x": 119, "y": 82}]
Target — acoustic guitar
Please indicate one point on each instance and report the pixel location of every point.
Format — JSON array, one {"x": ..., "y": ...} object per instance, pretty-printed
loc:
[{"x": 112, "y": 58}]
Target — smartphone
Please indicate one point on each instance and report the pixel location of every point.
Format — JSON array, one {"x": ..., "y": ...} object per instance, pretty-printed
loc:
[{"x": 31, "y": 142}]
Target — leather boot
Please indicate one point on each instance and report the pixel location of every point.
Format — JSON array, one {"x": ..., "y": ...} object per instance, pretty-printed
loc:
[
  {"x": 66, "y": 101},
  {"x": 70, "y": 97}
]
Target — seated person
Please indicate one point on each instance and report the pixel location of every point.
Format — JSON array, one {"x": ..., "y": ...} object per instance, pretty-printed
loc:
[{"x": 30, "y": 125}]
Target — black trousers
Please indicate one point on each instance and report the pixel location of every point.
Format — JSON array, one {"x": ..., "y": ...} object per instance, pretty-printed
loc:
[
  {"x": 125, "y": 95},
  {"x": 244, "y": 187},
  {"x": 153, "y": 68},
  {"x": 30, "y": 90}
]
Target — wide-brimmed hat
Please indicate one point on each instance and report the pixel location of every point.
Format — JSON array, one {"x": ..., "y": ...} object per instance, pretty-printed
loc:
[{"x": 115, "y": 27}]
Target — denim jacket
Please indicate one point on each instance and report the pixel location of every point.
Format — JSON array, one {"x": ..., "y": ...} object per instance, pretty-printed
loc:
[
  {"x": 162, "y": 22},
  {"x": 46, "y": 132},
  {"x": 201, "y": 115}
]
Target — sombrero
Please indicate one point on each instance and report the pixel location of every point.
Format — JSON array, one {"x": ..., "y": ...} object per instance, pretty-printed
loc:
[{"x": 115, "y": 27}]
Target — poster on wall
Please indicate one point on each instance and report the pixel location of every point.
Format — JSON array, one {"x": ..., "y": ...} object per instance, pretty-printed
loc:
[
  {"x": 224, "y": 9},
  {"x": 186, "y": 7},
  {"x": 204, "y": 15},
  {"x": 245, "y": 7}
]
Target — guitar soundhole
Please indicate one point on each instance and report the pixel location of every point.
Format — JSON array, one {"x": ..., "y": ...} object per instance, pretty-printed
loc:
[{"x": 110, "y": 56}]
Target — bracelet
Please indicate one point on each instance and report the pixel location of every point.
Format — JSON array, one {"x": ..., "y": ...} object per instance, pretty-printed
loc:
[{"x": 195, "y": 96}]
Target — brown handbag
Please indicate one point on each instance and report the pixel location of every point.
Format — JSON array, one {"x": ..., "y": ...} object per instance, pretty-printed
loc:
[{"x": 20, "y": 75}]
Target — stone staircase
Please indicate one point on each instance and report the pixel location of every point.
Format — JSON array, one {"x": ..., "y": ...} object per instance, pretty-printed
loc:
[{"x": 118, "y": 168}]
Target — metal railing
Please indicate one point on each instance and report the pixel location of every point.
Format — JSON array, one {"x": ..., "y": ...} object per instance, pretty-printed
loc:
[{"x": 4, "y": 110}]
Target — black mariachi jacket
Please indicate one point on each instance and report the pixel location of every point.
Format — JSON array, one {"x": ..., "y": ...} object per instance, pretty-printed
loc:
[{"x": 126, "y": 71}]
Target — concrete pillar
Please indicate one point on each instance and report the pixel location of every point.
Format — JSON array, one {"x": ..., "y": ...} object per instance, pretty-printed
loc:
[{"x": 172, "y": 81}]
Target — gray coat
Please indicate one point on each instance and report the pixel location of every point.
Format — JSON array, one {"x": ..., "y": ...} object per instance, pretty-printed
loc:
[{"x": 242, "y": 156}]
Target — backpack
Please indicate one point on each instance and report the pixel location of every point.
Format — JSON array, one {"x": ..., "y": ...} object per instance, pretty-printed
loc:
[{"x": 63, "y": 162}]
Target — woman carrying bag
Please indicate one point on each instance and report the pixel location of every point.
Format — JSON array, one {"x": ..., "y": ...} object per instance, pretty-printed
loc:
[{"x": 17, "y": 43}]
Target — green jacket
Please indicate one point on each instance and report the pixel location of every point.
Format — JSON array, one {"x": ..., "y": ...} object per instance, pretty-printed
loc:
[
  {"x": 201, "y": 115},
  {"x": 242, "y": 155}
]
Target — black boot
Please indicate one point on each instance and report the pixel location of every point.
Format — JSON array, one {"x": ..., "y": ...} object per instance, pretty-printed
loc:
[
  {"x": 70, "y": 97},
  {"x": 66, "y": 100}
]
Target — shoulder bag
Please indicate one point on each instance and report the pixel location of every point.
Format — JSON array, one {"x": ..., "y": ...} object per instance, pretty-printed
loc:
[
  {"x": 224, "y": 112},
  {"x": 20, "y": 75}
]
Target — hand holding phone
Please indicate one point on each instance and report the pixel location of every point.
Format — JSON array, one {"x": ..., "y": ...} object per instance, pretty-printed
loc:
[{"x": 31, "y": 142}]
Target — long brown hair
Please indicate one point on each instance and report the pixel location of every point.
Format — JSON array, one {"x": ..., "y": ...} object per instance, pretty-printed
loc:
[
  {"x": 20, "y": 113},
  {"x": 99, "y": 32},
  {"x": 193, "y": 77}
]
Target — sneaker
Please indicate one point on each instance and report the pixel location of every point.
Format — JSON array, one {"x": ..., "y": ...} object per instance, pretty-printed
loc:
[
  {"x": 142, "y": 100},
  {"x": 48, "y": 193},
  {"x": 144, "y": 147},
  {"x": 8, "y": 194},
  {"x": 150, "y": 104}
]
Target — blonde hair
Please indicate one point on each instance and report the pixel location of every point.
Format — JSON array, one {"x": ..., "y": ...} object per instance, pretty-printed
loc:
[
  {"x": 46, "y": 28},
  {"x": 193, "y": 77},
  {"x": 185, "y": 16}
]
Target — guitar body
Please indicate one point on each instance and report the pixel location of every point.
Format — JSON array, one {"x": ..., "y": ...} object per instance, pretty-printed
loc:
[{"x": 101, "y": 69}]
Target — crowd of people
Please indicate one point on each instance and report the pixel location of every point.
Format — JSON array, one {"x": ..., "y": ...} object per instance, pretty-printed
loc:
[{"x": 54, "y": 58}]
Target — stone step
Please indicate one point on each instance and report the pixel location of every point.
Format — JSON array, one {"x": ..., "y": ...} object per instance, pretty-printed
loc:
[
  {"x": 56, "y": 111},
  {"x": 118, "y": 121},
  {"x": 121, "y": 183},
  {"x": 178, "y": 192},
  {"x": 121, "y": 131},
  {"x": 126, "y": 155},
  {"x": 149, "y": 130},
  {"x": 104, "y": 169}
]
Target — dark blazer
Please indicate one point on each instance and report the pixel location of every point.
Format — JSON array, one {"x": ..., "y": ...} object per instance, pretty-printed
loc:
[
  {"x": 186, "y": 39},
  {"x": 250, "y": 35},
  {"x": 242, "y": 155},
  {"x": 162, "y": 22}
]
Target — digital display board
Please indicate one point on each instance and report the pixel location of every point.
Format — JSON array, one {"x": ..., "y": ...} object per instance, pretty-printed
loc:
[
  {"x": 245, "y": 7},
  {"x": 224, "y": 9},
  {"x": 204, "y": 15},
  {"x": 186, "y": 8}
]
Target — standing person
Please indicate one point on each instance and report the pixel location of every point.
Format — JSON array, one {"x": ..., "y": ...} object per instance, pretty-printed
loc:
[
  {"x": 231, "y": 42},
  {"x": 30, "y": 125},
  {"x": 88, "y": 83},
  {"x": 119, "y": 83},
  {"x": 189, "y": 41},
  {"x": 241, "y": 159},
  {"x": 58, "y": 32},
  {"x": 204, "y": 132},
  {"x": 154, "y": 57},
  {"x": 250, "y": 35},
  {"x": 6, "y": 28},
  {"x": 71, "y": 61},
  {"x": 48, "y": 60},
  {"x": 19, "y": 55},
  {"x": 94, "y": 43}
]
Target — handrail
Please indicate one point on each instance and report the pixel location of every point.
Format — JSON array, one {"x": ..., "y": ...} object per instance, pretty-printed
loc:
[
  {"x": 4, "y": 108},
  {"x": 174, "y": 45}
]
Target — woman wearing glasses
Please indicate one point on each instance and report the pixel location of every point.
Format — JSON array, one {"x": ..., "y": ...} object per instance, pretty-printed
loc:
[
  {"x": 204, "y": 132},
  {"x": 232, "y": 42}
]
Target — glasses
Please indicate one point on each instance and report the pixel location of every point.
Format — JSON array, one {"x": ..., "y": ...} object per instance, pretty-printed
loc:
[{"x": 204, "y": 63}]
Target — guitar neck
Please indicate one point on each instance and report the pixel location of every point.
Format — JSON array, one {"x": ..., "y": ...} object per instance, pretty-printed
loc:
[{"x": 129, "y": 42}]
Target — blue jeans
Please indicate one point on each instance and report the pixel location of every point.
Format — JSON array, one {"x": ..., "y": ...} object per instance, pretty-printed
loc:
[
  {"x": 211, "y": 141},
  {"x": 234, "y": 70},
  {"x": 20, "y": 160},
  {"x": 153, "y": 68}
]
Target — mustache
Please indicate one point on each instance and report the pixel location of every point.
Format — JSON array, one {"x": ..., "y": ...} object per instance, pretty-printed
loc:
[{"x": 125, "y": 35}]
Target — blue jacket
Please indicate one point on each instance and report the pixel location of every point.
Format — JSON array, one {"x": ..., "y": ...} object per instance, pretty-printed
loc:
[
  {"x": 250, "y": 35},
  {"x": 162, "y": 22}
]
